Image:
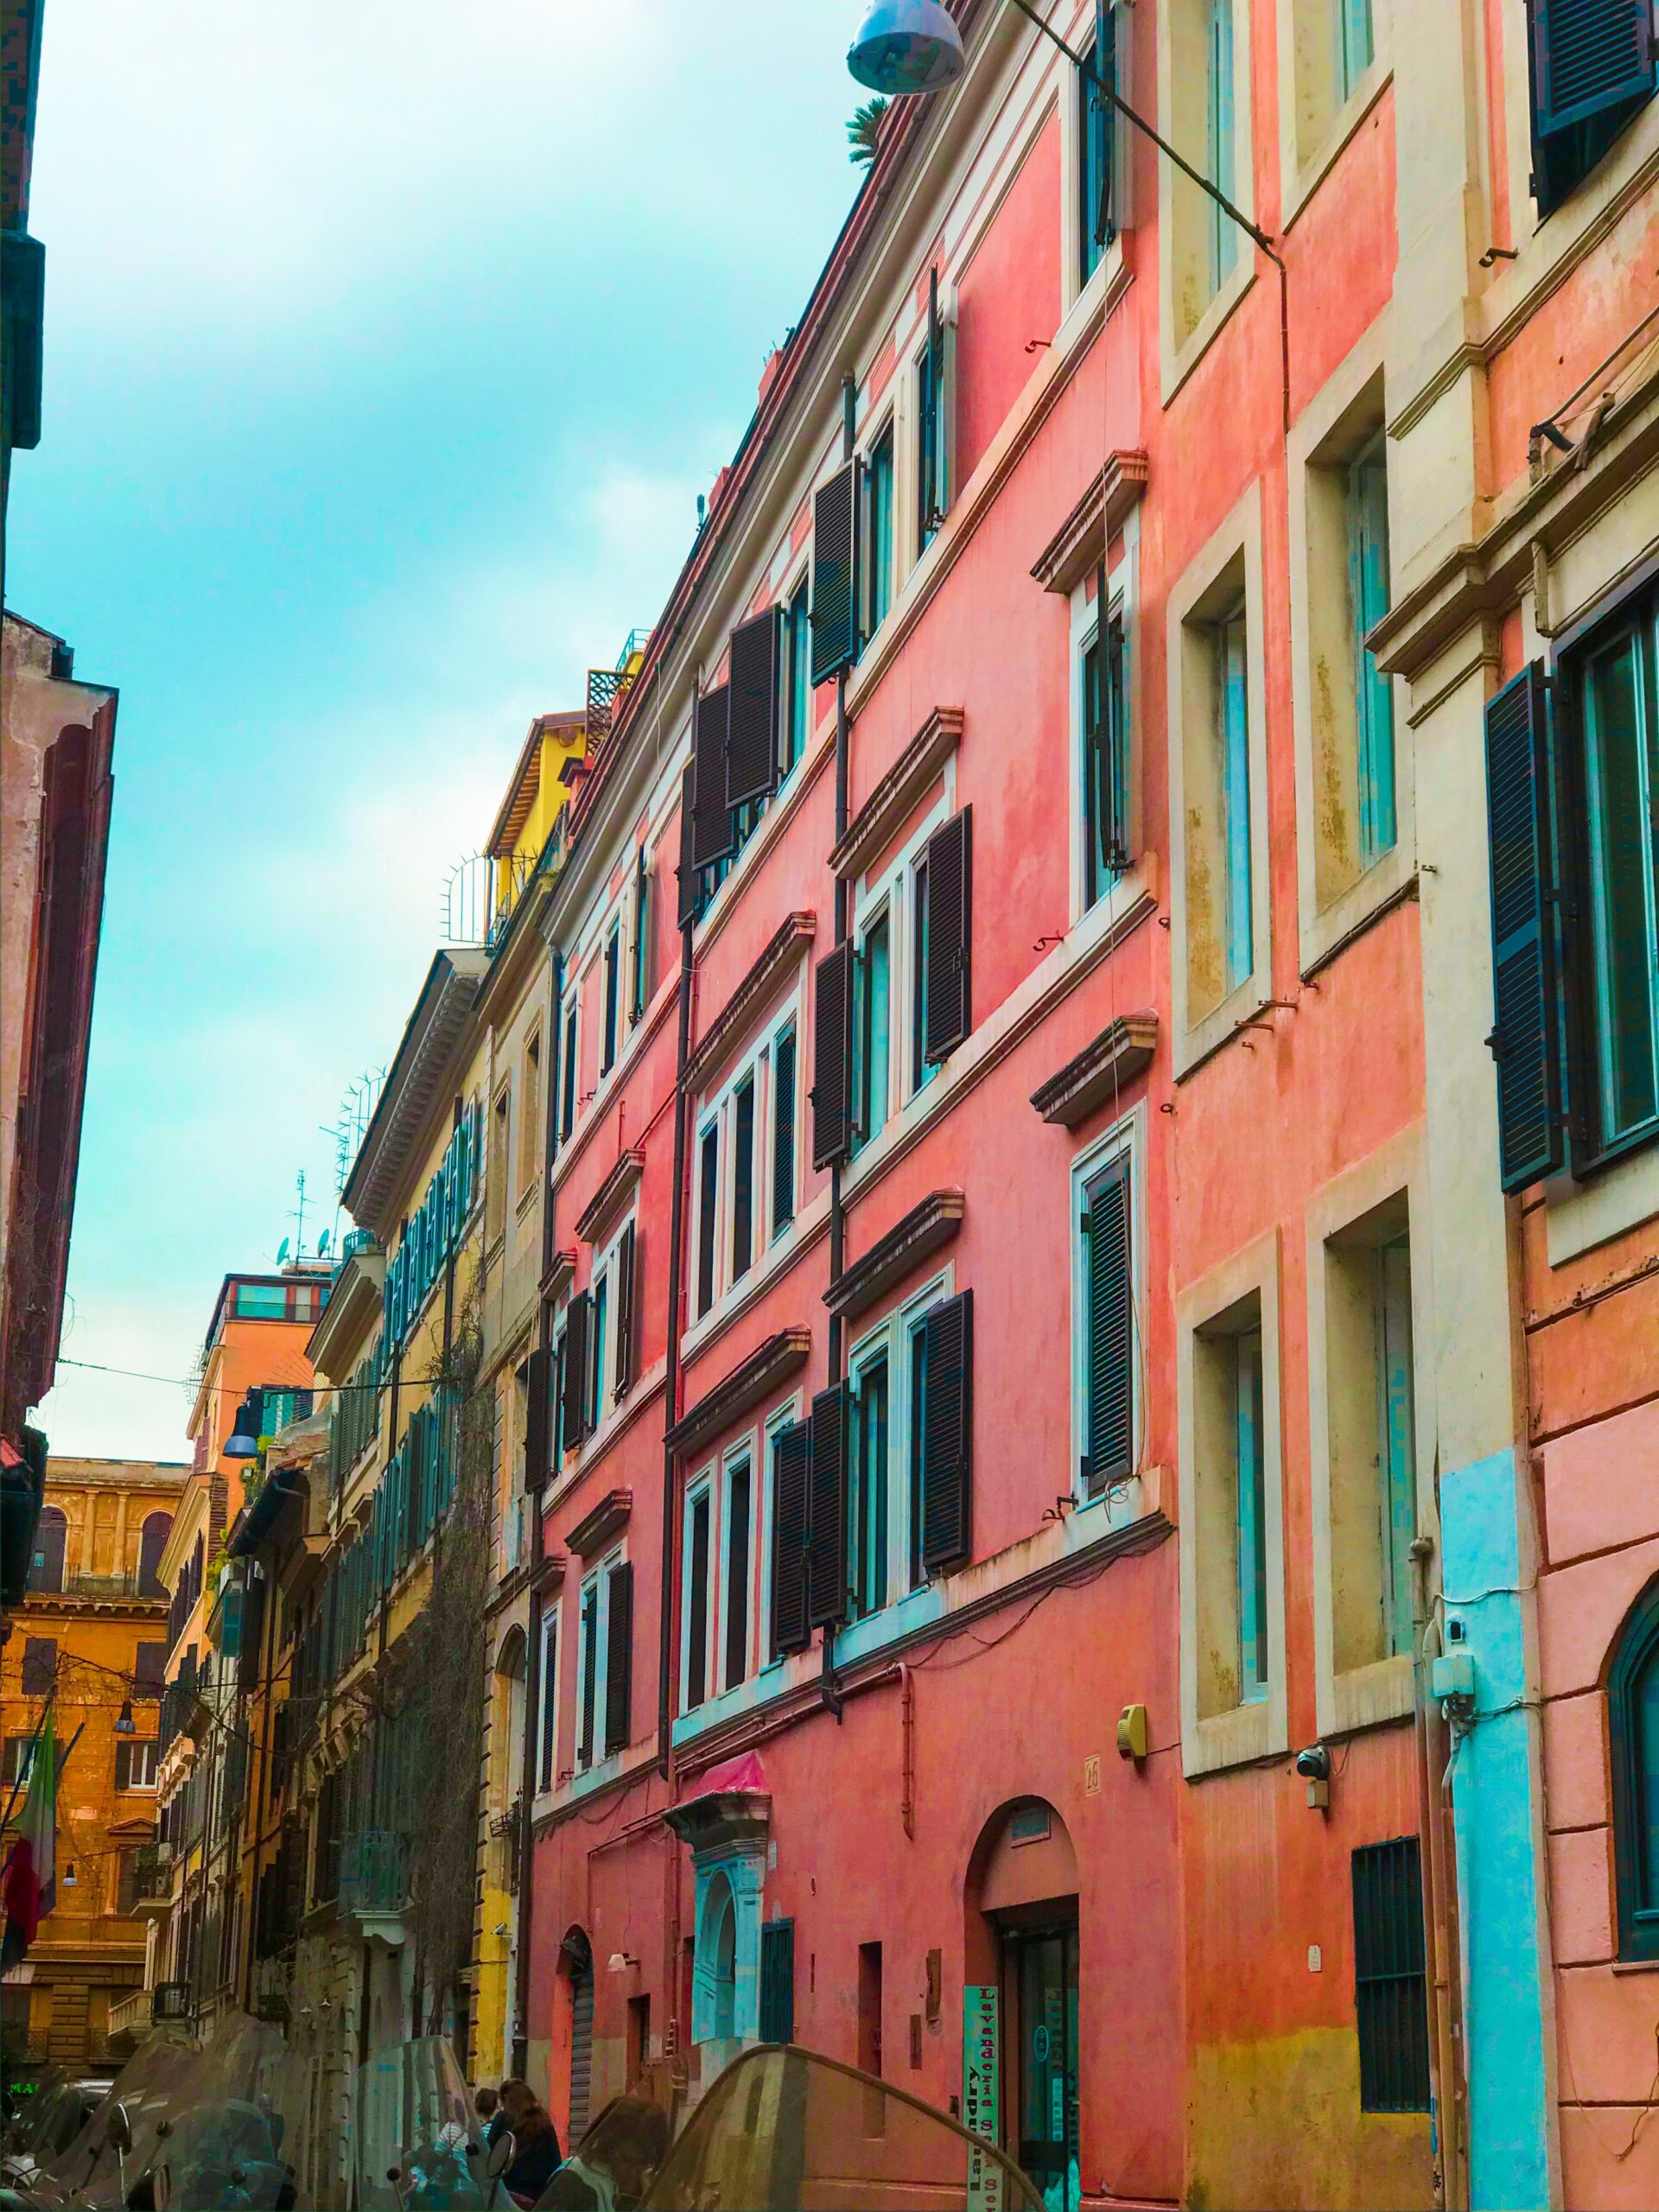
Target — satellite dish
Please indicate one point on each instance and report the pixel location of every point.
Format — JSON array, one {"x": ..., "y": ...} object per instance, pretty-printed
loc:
[
  {"x": 323, "y": 1243},
  {"x": 282, "y": 1251}
]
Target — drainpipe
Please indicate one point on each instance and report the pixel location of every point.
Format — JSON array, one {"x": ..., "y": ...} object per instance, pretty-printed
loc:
[
  {"x": 418, "y": 1978},
  {"x": 520, "y": 2047},
  {"x": 667, "y": 1623}
]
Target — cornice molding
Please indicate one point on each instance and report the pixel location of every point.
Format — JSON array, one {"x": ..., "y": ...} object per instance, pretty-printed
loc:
[
  {"x": 797, "y": 930},
  {"x": 1105, "y": 1066},
  {"x": 779, "y": 1357},
  {"x": 925, "y": 1229},
  {"x": 888, "y": 806},
  {"x": 610, "y": 1198},
  {"x": 1082, "y": 539}
]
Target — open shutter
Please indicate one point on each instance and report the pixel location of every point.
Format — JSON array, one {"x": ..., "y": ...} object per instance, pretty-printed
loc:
[
  {"x": 949, "y": 852},
  {"x": 1588, "y": 56},
  {"x": 687, "y": 908},
  {"x": 625, "y": 1262},
  {"x": 835, "y": 574},
  {"x": 791, "y": 1475},
  {"x": 832, "y": 1057},
  {"x": 783, "y": 1132},
  {"x": 1109, "y": 1442},
  {"x": 711, "y": 834},
  {"x": 641, "y": 942},
  {"x": 573, "y": 1379},
  {"x": 618, "y": 1660},
  {"x": 589, "y": 1675},
  {"x": 751, "y": 746},
  {"x": 931, "y": 503},
  {"x": 537, "y": 1408},
  {"x": 826, "y": 1548},
  {"x": 947, "y": 1431},
  {"x": 778, "y": 1981},
  {"x": 1524, "y": 1039}
]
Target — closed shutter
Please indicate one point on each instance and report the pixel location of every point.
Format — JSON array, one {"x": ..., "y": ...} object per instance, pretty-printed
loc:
[
  {"x": 589, "y": 1675},
  {"x": 253, "y": 1637},
  {"x": 835, "y": 572},
  {"x": 752, "y": 745},
  {"x": 947, "y": 1434},
  {"x": 832, "y": 1057},
  {"x": 783, "y": 1133},
  {"x": 40, "y": 1665},
  {"x": 711, "y": 835},
  {"x": 1524, "y": 1039},
  {"x": 1588, "y": 56},
  {"x": 641, "y": 939},
  {"x": 950, "y": 904},
  {"x": 826, "y": 1547},
  {"x": 778, "y": 1981},
  {"x": 1110, "y": 1321},
  {"x": 932, "y": 487},
  {"x": 626, "y": 1263},
  {"x": 618, "y": 1660},
  {"x": 687, "y": 908},
  {"x": 791, "y": 1461},
  {"x": 581, "y": 2045},
  {"x": 573, "y": 1379},
  {"x": 537, "y": 1406}
]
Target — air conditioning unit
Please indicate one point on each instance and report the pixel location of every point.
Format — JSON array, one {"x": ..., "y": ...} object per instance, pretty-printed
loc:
[{"x": 170, "y": 2000}]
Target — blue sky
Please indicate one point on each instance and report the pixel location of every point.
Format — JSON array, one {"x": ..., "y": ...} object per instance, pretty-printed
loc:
[{"x": 387, "y": 349}]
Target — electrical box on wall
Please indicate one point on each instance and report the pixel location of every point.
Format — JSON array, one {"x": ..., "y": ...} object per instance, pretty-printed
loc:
[
  {"x": 1131, "y": 1733},
  {"x": 1453, "y": 1674}
]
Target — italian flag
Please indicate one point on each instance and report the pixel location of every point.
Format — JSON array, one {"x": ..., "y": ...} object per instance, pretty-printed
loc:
[{"x": 28, "y": 1886}]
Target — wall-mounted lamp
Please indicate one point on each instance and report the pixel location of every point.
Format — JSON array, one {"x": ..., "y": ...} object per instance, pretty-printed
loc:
[
  {"x": 242, "y": 1442},
  {"x": 906, "y": 46},
  {"x": 1314, "y": 1766},
  {"x": 125, "y": 1724}
]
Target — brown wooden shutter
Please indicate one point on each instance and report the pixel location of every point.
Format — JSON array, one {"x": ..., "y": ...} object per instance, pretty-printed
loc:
[
  {"x": 573, "y": 1382},
  {"x": 835, "y": 574},
  {"x": 626, "y": 1262},
  {"x": 826, "y": 1549},
  {"x": 947, "y": 1434},
  {"x": 618, "y": 1660},
  {"x": 792, "y": 1460},
  {"x": 711, "y": 835},
  {"x": 949, "y": 909},
  {"x": 832, "y": 1057},
  {"x": 687, "y": 908},
  {"x": 537, "y": 1406},
  {"x": 756, "y": 695}
]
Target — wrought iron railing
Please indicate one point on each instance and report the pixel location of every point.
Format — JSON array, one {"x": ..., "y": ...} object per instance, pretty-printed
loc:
[{"x": 373, "y": 1872}]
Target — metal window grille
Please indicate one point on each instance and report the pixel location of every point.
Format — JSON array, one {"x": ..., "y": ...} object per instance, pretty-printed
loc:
[{"x": 1390, "y": 1980}]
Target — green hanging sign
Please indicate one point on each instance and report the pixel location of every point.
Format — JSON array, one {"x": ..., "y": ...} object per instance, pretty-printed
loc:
[{"x": 982, "y": 2077}]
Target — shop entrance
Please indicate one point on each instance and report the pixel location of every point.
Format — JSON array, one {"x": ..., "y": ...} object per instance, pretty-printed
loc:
[{"x": 1041, "y": 1982}]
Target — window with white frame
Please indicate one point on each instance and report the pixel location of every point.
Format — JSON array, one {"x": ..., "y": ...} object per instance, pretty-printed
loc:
[
  {"x": 877, "y": 547},
  {"x": 890, "y": 934},
  {"x": 569, "y": 1062},
  {"x": 1102, "y": 751},
  {"x": 611, "y": 996},
  {"x": 1205, "y": 92},
  {"x": 604, "y": 1652},
  {"x": 612, "y": 1323},
  {"x": 737, "y": 1640},
  {"x": 797, "y": 675},
  {"x": 746, "y": 1163},
  {"x": 888, "y": 1383},
  {"x": 697, "y": 1595},
  {"x": 548, "y": 1730}
]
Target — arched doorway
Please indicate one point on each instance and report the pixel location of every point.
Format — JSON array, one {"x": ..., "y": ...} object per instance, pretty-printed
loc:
[
  {"x": 51, "y": 1541},
  {"x": 1022, "y": 1945},
  {"x": 576, "y": 1962},
  {"x": 152, "y": 1543}
]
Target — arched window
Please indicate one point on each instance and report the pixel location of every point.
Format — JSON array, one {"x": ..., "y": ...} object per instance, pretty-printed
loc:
[
  {"x": 52, "y": 1534},
  {"x": 1633, "y": 1700},
  {"x": 151, "y": 1544}
]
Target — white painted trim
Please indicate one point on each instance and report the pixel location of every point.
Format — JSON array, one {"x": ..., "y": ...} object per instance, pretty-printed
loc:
[{"x": 1179, "y": 353}]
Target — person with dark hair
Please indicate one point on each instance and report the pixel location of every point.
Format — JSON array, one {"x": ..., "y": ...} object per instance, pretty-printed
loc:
[
  {"x": 616, "y": 2161},
  {"x": 535, "y": 2138}
]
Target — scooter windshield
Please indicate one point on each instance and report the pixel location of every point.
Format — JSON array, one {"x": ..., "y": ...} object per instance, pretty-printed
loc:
[{"x": 417, "y": 2144}]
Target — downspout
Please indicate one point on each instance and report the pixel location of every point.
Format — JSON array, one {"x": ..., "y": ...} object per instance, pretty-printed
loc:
[
  {"x": 418, "y": 1982},
  {"x": 843, "y": 922},
  {"x": 677, "y": 2030},
  {"x": 520, "y": 2047}
]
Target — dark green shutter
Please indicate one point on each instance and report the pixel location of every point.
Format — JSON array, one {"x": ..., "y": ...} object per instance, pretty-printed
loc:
[
  {"x": 832, "y": 1057},
  {"x": 791, "y": 1461},
  {"x": 626, "y": 1263},
  {"x": 826, "y": 1547},
  {"x": 1524, "y": 1041},
  {"x": 949, "y": 854},
  {"x": 1109, "y": 1454},
  {"x": 778, "y": 1981},
  {"x": 686, "y": 910},
  {"x": 1588, "y": 56},
  {"x": 947, "y": 1434},
  {"x": 590, "y": 1672},
  {"x": 573, "y": 1380},
  {"x": 618, "y": 1660},
  {"x": 756, "y": 695},
  {"x": 783, "y": 1133},
  {"x": 535, "y": 1418},
  {"x": 835, "y": 574},
  {"x": 711, "y": 835},
  {"x": 23, "y": 298},
  {"x": 641, "y": 941}
]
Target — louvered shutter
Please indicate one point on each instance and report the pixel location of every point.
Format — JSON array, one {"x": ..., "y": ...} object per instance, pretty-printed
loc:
[
  {"x": 949, "y": 910},
  {"x": 252, "y": 1653},
  {"x": 626, "y": 1262},
  {"x": 537, "y": 1409},
  {"x": 590, "y": 1672},
  {"x": 826, "y": 1547},
  {"x": 1524, "y": 1039},
  {"x": 835, "y": 574},
  {"x": 1588, "y": 56},
  {"x": 778, "y": 1981},
  {"x": 618, "y": 1660},
  {"x": 573, "y": 1380},
  {"x": 641, "y": 941},
  {"x": 1109, "y": 1318},
  {"x": 932, "y": 422},
  {"x": 756, "y": 694},
  {"x": 832, "y": 1057},
  {"x": 947, "y": 1433},
  {"x": 686, "y": 910},
  {"x": 783, "y": 1133},
  {"x": 792, "y": 1477},
  {"x": 711, "y": 832}
]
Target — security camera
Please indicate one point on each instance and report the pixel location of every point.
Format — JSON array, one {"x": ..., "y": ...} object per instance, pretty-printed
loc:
[{"x": 1314, "y": 1764}]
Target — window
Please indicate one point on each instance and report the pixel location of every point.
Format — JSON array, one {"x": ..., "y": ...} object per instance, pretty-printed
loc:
[
  {"x": 871, "y": 1484},
  {"x": 496, "y": 1188},
  {"x": 51, "y": 1542},
  {"x": 40, "y": 1666},
  {"x": 1233, "y": 761},
  {"x": 19, "y": 1760},
  {"x": 1243, "y": 1372},
  {"x": 1391, "y": 1980},
  {"x": 1105, "y": 1295},
  {"x": 1220, "y": 137},
  {"x": 1204, "y": 90},
  {"x": 708, "y": 1214},
  {"x": 932, "y": 423},
  {"x": 149, "y": 1669},
  {"x": 599, "y": 1297},
  {"x": 915, "y": 1340},
  {"x": 262, "y": 1302},
  {"x": 1372, "y": 1415},
  {"x": 783, "y": 1130},
  {"x": 135, "y": 1763},
  {"x": 530, "y": 1114},
  {"x": 546, "y": 1767},
  {"x": 790, "y": 1445},
  {"x": 640, "y": 979},
  {"x": 921, "y": 1070},
  {"x": 738, "y": 1546},
  {"x": 1593, "y": 71},
  {"x": 568, "y": 1067},
  {"x": 742, "y": 1178},
  {"x": 1355, "y": 44},
  {"x": 699, "y": 1527},
  {"x": 878, "y": 533},
  {"x": 612, "y": 997},
  {"x": 1621, "y": 759},
  {"x": 778, "y": 1981},
  {"x": 872, "y": 1073},
  {"x": 1105, "y": 762},
  {"x": 588, "y": 1686},
  {"x": 152, "y": 1543},
  {"x": 1633, "y": 1716},
  {"x": 1096, "y": 132},
  {"x": 798, "y": 721},
  {"x": 1367, "y": 522}
]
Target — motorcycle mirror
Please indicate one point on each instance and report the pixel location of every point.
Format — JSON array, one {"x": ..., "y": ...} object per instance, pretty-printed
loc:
[
  {"x": 164, "y": 2129},
  {"x": 503, "y": 2152},
  {"x": 117, "y": 2128}
]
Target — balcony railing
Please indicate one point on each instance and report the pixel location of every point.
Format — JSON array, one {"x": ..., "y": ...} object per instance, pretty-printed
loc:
[
  {"x": 131, "y": 2015},
  {"x": 373, "y": 1874},
  {"x": 106, "y": 1587}
]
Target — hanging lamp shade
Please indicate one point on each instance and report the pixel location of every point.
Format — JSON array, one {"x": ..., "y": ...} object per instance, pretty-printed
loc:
[
  {"x": 125, "y": 1725},
  {"x": 244, "y": 1441},
  {"x": 906, "y": 46}
]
